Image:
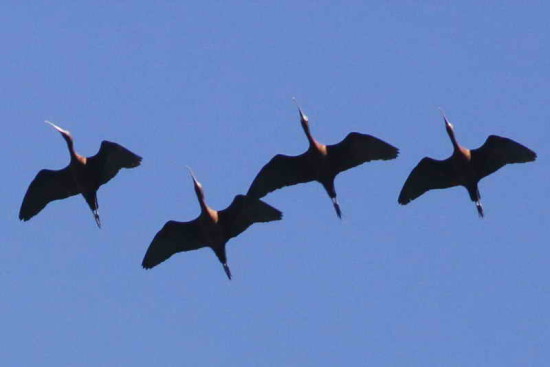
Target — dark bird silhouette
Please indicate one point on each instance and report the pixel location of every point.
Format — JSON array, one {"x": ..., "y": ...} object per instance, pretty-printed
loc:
[
  {"x": 464, "y": 167},
  {"x": 320, "y": 163},
  {"x": 211, "y": 228},
  {"x": 83, "y": 175}
]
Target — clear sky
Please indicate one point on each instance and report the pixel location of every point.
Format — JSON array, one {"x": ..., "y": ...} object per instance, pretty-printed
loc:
[{"x": 211, "y": 86}]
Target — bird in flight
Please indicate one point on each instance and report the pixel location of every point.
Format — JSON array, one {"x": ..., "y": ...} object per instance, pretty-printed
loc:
[
  {"x": 464, "y": 167},
  {"x": 83, "y": 175},
  {"x": 320, "y": 163},
  {"x": 211, "y": 228}
]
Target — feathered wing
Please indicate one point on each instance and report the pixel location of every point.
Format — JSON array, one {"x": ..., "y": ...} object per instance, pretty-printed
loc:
[
  {"x": 429, "y": 174},
  {"x": 245, "y": 211},
  {"x": 497, "y": 152},
  {"x": 357, "y": 149},
  {"x": 174, "y": 237},
  {"x": 281, "y": 171},
  {"x": 110, "y": 158},
  {"x": 47, "y": 186}
]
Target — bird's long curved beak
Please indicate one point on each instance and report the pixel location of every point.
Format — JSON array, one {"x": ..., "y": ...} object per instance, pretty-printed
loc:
[
  {"x": 192, "y": 175},
  {"x": 302, "y": 115},
  {"x": 64, "y": 132},
  {"x": 444, "y": 117}
]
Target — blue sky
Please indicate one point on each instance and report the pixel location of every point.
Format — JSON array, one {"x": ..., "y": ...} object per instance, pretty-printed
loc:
[{"x": 210, "y": 86}]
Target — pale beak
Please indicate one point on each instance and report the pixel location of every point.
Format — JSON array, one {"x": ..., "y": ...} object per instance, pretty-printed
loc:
[
  {"x": 444, "y": 117},
  {"x": 192, "y": 174},
  {"x": 64, "y": 132},
  {"x": 302, "y": 115}
]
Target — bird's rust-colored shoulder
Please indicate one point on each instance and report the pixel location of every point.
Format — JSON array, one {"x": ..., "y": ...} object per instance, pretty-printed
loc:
[
  {"x": 321, "y": 148},
  {"x": 465, "y": 152},
  {"x": 80, "y": 159},
  {"x": 212, "y": 214}
]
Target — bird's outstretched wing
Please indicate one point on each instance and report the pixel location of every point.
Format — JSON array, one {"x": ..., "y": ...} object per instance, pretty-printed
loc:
[
  {"x": 280, "y": 171},
  {"x": 497, "y": 152},
  {"x": 357, "y": 149},
  {"x": 47, "y": 186},
  {"x": 429, "y": 174},
  {"x": 110, "y": 158},
  {"x": 245, "y": 211},
  {"x": 174, "y": 237}
]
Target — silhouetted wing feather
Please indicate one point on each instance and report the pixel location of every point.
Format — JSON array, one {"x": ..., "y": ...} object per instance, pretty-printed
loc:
[
  {"x": 47, "y": 186},
  {"x": 281, "y": 171},
  {"x": 174, "y": 237},
  {"x": 429, "y": 174},
  {"x": 245, "y": 211},
  {"x": 497, "y": 152},
  {"x": 110, "y": 158},
  {"x": 357, "y": 149}
]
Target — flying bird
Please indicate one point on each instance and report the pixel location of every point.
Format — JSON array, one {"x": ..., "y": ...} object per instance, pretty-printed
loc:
[
  {"x": 211, "y": 228},
  {"x": 464, "y": 167},
  {"x": 320, "y": 163},
  {"x": 83, "y": 175}
]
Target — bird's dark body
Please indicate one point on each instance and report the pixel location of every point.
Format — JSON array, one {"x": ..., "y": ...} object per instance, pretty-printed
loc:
[{"x": 213, "y": 233}]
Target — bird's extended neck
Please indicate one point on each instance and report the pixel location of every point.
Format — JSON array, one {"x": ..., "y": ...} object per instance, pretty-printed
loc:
[
  {"x": 310, "y": 138},
  {"x": 202, "y": 202},
  {"x": 70, "y": 145},
  {"x": 452, "y": 136},
  {"x": 450, "y": 131}
]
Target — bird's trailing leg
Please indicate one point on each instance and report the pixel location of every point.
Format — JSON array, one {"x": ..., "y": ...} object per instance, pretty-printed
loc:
[
  {"x": 478, "y": 203},
  {"x": 479, "y": 208},
  {"x": 96, "y": 217},
  {"x": 220, "y": 253},
  {"x": 337, "y": 207},
  {"x": 91, "y": 199},
  {"x": 331, "y": 191},
  {"x": 475, "y": 196},
  {"x": 227, "y": 271}
]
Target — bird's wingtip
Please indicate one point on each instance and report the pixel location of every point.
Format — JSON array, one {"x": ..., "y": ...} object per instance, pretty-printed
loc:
[
  {"x": 24, "y": 217},
  {"x": 146, "y": 265},
  {"x": 402, "y": 201},
  {"x": 136, "y": 162},
  {"x": 395, "y": 153}
]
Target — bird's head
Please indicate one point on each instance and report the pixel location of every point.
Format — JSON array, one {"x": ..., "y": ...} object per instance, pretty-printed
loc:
[
  {"x": 65, "y": 133},
  {"x": 198, "y": 186}
]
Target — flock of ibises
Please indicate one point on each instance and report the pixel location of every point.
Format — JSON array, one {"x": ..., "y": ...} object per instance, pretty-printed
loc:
[{"x": 212, "y": 228}]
